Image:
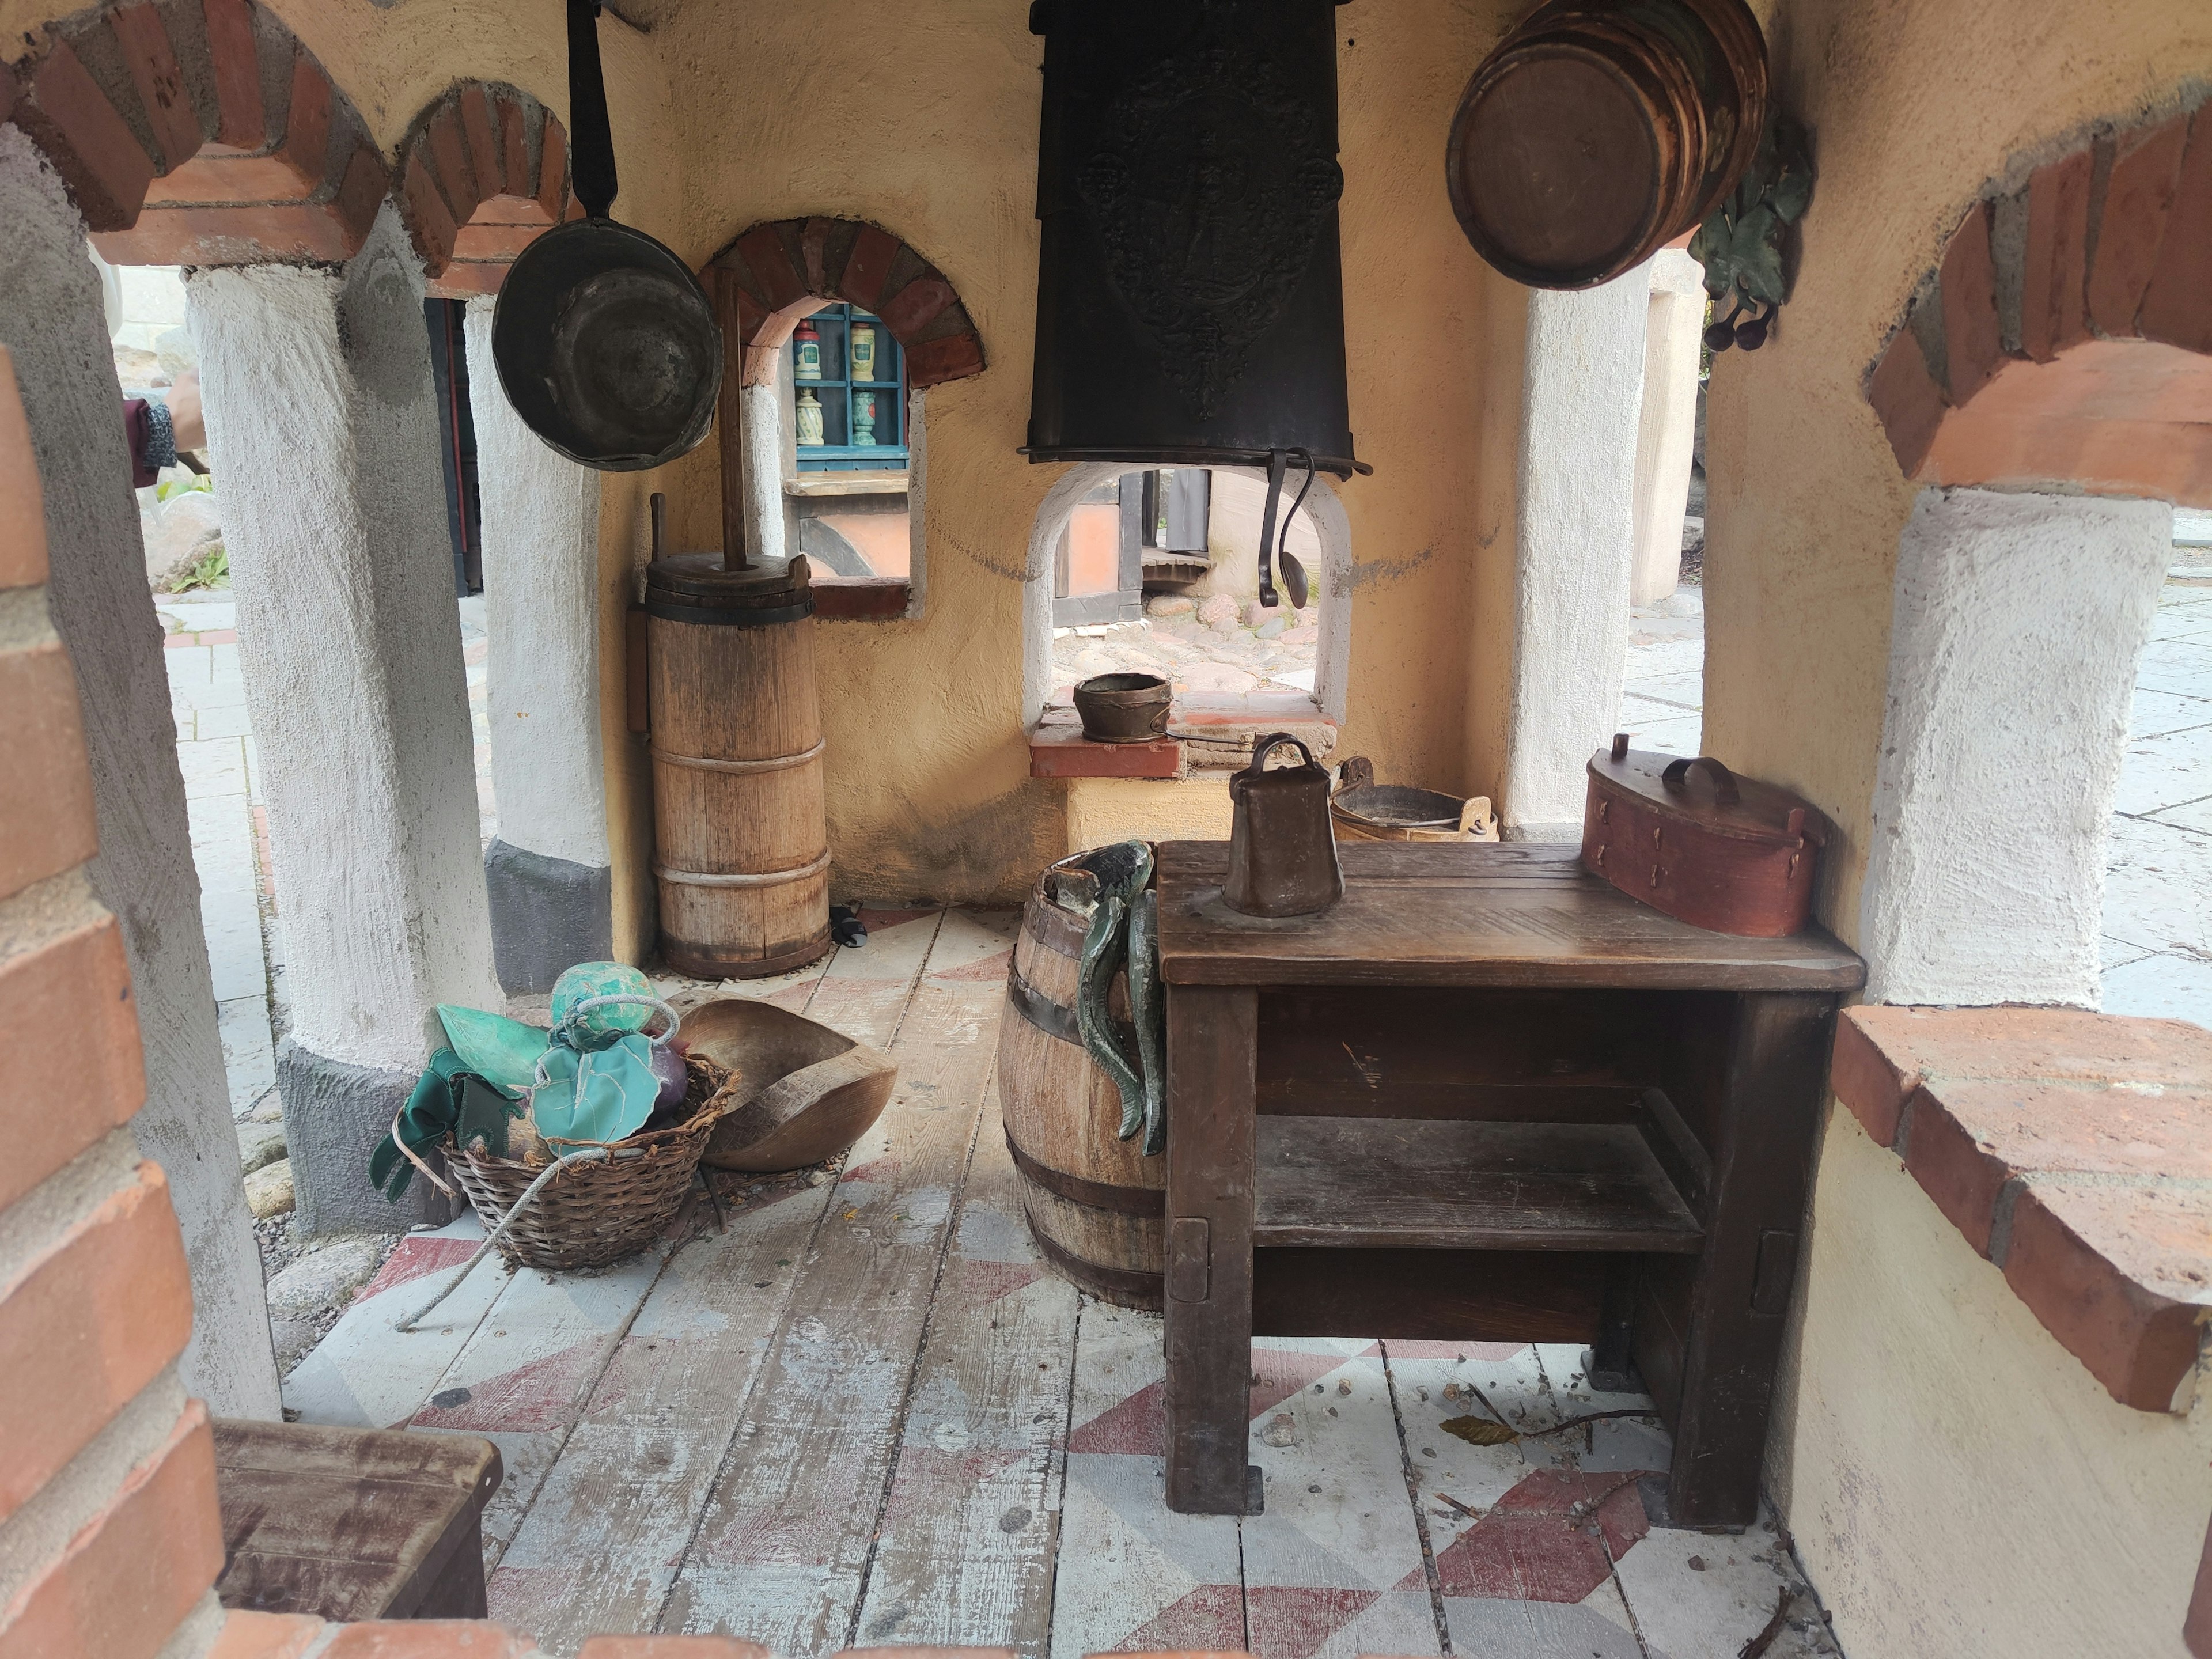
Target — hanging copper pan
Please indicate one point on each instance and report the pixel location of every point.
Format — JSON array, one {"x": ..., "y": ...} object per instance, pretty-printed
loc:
[
  {"x": 606, "y": 344},
  {"x": 1599, "y": 130}
]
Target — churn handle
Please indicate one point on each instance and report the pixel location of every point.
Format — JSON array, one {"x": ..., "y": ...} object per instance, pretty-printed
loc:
[
  {"x": 1724, "y": 789},
  {"x": 1268, "y": 744}
]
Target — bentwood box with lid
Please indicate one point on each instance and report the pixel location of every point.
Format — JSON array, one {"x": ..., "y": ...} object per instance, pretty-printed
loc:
[{"x": 1691, "y": 838}]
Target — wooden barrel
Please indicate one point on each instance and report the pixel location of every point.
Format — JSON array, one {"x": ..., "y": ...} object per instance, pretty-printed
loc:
[
  {"x": 743, "y": 850},
  {"x": 1096, "y": 1205},
  {"x": 1599, "y": 130}
]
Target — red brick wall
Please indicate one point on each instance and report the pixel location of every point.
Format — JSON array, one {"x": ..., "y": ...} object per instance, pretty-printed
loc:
[{"x": 106, "y": 1472}]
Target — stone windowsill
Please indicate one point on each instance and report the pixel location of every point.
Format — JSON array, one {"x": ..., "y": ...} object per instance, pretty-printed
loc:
[
  {"x": 1212, "y": 732},
  {"x": 2075, "y": 1151},
  {"x": 846, "y": 484}
]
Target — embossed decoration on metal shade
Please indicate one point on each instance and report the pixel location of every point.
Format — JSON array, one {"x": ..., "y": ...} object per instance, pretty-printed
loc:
[{"x": 1190, "y": 297}]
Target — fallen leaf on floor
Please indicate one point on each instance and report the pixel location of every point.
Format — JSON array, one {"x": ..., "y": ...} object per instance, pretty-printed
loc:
[{"x": 1477, "y": 1431}]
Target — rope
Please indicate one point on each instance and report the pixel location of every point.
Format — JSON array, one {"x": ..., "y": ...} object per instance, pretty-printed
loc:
[
  {"x": 596, "y": 1154},
  {"x": 588, "y": 1155}
]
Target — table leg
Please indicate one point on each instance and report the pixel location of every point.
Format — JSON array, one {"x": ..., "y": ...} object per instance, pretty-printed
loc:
[
  {"x": 1612, "y": 1363},
  {"x": 1212, "y": 1042},
  {"x": 1764, "y": 1122}
]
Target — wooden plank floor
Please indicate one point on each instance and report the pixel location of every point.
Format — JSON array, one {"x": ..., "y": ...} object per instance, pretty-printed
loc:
[{"x": 866, "y": 1413}]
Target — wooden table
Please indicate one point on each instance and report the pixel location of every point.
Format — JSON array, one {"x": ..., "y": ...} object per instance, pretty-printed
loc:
[
  {"x": 352, "y": 1524},
  {"x": 1487, "y": 1098}
]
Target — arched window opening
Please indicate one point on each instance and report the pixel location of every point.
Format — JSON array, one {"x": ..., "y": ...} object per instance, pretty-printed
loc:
[
  {"x": 2054, "y": 360},
  {"x": 1110, "y": 590},
  {"x": 834, "y": 330},
  {"x": 1157, "y": 572}
]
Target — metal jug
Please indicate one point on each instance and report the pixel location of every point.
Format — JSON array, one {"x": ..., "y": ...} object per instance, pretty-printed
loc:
[{"x": 1282, "y": 849}]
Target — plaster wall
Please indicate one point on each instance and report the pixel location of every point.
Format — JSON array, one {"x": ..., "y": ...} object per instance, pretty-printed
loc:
[
  {"x": 1101, "y": 811},
  {"x": 1582, "y": 391},
  {"x": 1805, "y": 501},
  {"x": 766, "y": 510},
  {"x": 541, "y": 543},
  {"x": 1994, "y": 797},
  {"x": 1963, "y": 1485},
  {"x": 1667, "y": 431},
  {"x": 927, "y": 763},
  {"x": 52, "y": 318},
  {"x": 1932, "y": 1450}
]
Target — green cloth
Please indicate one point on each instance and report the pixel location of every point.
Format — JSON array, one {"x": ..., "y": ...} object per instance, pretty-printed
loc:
[
  {"x": 502, "y": 1051},
  {"x": 588, "y": 980},
  {"x": 448, "y": 1099},
  {"x": 600, "y": 1094}
]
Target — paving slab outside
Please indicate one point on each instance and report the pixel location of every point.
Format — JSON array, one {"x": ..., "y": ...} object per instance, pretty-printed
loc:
[{"x": 864, "y": 1412}]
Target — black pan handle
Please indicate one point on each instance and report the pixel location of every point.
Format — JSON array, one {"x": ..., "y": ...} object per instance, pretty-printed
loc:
[
  {"x": 1676, "y": 777},
  {"x": 592, "y": 153}
]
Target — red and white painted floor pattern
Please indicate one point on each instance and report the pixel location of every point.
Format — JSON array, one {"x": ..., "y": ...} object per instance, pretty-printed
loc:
[{"x": 866, "y": 1414}]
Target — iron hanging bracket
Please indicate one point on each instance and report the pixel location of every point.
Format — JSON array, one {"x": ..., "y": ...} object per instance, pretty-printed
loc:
[{"x": 1273, "y": 551}]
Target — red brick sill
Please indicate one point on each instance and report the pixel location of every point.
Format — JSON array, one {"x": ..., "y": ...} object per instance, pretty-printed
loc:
[
  {"x": 1221, "y": 729},
  {"x": 1062, "y": 751},
  {"x": 2072, "y": 1150},
  {"x": 860, "y": 598}
]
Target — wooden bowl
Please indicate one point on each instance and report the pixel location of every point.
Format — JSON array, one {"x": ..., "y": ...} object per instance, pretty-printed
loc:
[{"x": 805, "y": 1091}]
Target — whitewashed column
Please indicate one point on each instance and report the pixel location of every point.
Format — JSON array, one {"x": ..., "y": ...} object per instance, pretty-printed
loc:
[
  {"x": 318, "y": 400},
  {"x": 2017, "y": 626},
  {"x": 551, "y": 888},
  {"x": 1582, "y": 395},
  {"x": 1667, "y": 431},
  {"x": 52, "y": 318}
]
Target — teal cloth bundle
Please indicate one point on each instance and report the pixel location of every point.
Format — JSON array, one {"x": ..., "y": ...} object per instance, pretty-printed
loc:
[
  {"x": 448, "y": 1099},
  {"x": 589, "y": 1079}
]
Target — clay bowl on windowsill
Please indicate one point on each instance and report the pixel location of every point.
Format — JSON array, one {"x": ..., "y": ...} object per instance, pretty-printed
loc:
[
  {"x": 1123, "y": 708},
  {"x": 804, "y": 1090}
]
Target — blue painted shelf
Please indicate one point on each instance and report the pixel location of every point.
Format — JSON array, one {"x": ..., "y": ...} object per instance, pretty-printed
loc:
[{"x": 836, "y": 391}]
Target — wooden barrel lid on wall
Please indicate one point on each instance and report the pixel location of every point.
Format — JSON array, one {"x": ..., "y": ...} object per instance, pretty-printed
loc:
[
  {"x": 742, "y": 843},
  {"x": 1599, "y": 130},
  {"x": 1096, "y": 1205}
]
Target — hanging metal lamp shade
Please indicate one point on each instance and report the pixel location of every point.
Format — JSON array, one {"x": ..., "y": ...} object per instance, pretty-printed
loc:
[{"x": 1190, "y": 297}]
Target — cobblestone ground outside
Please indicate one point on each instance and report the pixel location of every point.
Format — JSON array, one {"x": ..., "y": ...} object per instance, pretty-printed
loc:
[{"x": 1208, "y": 645}]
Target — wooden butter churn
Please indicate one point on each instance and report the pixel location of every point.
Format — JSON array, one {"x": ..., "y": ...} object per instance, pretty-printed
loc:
[{"x": 742, "y": 853}]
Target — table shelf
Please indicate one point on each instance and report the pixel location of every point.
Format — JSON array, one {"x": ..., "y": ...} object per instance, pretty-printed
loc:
[{"x": 1427, "y": 1183}]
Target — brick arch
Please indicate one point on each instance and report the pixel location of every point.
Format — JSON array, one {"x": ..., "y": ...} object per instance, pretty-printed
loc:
[
  {"x": 198, "y": 132},
  {"x": 483, "y": 171},
  {"x": 780, "y": 271},
  {"x": 2066, "y": 337}
]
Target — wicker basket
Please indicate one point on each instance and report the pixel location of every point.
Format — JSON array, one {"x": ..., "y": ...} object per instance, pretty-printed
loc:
[{"x": 591, "y": 1214}]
